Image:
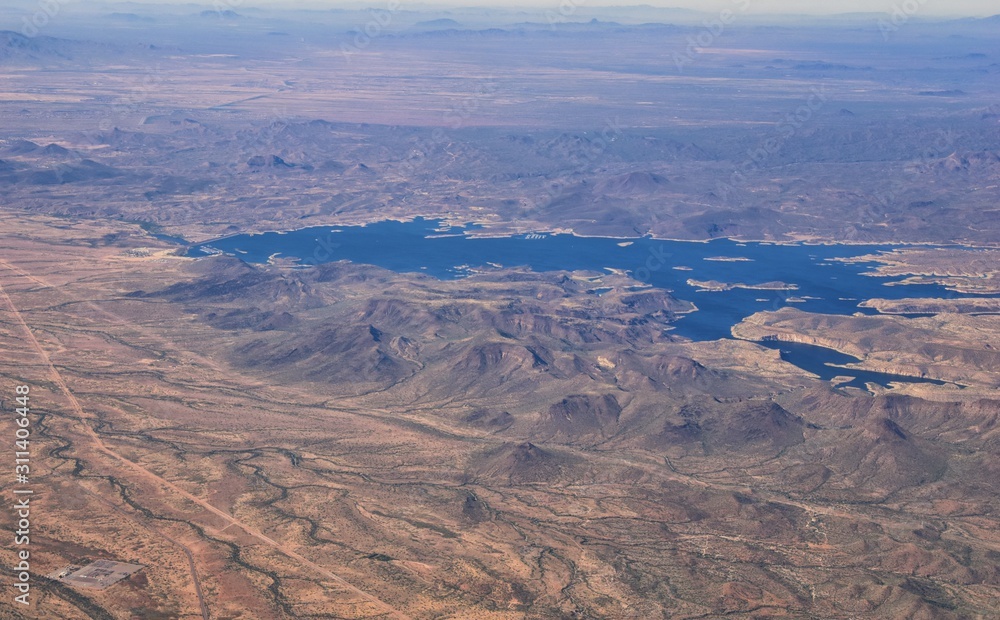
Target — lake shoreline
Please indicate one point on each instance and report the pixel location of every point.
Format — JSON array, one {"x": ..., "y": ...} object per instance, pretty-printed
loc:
[{"x": 802, "y": 242}]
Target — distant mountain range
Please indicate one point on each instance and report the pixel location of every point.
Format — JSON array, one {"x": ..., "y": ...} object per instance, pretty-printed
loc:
[{"x": 14, "y": 46}]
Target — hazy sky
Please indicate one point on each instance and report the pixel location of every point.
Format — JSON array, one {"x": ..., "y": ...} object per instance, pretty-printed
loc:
[{"x": 922, "y": 7}]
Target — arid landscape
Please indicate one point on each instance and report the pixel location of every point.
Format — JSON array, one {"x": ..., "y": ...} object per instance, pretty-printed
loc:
[{"x": 339, "y": 440}]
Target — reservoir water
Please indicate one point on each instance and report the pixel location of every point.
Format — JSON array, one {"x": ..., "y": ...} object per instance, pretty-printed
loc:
[
  {"x": 809, "y": 276},
  {"x": 826, "y": 363}
]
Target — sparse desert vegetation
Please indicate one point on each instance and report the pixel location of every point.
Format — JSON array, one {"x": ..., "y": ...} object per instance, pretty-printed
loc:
[{"x": 343, "y": 441}]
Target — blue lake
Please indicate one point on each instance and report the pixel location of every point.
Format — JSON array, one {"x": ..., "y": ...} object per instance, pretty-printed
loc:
[{"x": 425, "y": 246}]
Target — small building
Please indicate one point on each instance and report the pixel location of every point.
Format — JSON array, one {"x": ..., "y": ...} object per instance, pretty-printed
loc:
[{"x": 99, "y": 574}]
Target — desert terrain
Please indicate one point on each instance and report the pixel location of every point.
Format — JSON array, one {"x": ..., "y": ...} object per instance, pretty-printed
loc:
[
  {"x": 289, "y": 449},
  {"x": 343, "y": 441}
]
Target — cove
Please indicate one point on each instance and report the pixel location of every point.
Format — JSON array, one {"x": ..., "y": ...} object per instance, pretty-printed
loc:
[{"x": 820, "y": 361}]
